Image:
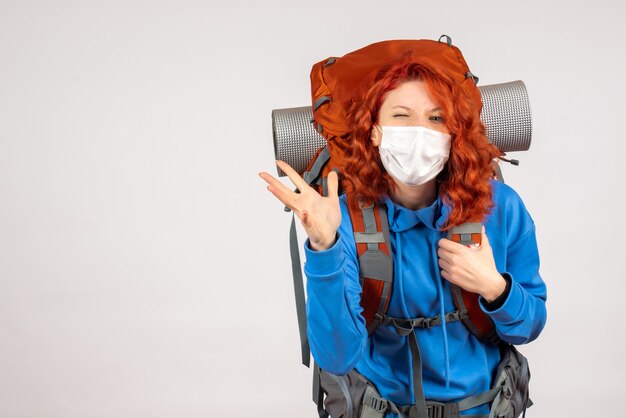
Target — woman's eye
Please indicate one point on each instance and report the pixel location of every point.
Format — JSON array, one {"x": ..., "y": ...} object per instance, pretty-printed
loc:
[
  {"x": 400, "y": 115},
  {"x": 436, "y": 118}
]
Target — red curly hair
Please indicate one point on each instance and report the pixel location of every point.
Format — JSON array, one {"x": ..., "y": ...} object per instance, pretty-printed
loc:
[{"x": 464, "y": 182}]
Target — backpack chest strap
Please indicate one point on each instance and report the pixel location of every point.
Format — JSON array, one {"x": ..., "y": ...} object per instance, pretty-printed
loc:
[{"x": 405, "y": 326}]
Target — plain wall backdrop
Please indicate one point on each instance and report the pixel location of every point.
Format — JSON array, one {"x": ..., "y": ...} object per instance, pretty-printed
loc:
[{"x": 144, "y": 268}]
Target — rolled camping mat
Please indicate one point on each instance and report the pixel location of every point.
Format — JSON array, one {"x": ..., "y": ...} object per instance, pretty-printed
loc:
[{"x": 506, "y": 115}]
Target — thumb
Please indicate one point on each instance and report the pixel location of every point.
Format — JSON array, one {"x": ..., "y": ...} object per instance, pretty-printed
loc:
[
  {"x": 333, "y": 185},
  {"x": 484, "y": 241}
]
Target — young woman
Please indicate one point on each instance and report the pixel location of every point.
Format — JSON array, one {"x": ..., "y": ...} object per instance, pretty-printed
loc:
[{"x": 418, "y": 147}]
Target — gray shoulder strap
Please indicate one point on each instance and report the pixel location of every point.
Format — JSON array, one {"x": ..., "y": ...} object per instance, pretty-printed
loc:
[
  {"x": 298, "y": 287},
  {"x": 313, "y": 175},
  {"x": 497, "y": 171},
  {"x": 374, "y": 263}
]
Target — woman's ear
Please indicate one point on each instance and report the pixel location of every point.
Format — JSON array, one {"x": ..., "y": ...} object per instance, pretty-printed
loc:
[{"x": 376, "y": 135}]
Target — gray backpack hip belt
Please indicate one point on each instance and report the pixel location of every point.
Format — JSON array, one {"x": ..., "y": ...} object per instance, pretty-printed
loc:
[{"x": 354, "y": 396}]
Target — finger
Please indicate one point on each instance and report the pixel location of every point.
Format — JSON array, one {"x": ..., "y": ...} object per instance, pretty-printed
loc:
[
  {"x": 444, "y": 264},
  {"x": 272, "y": 181},
  {"x": 282, "y": 193},
  {"x": 451, "y": 246},
  {"x": 447, "y": 255},
  {"x": 278, "y": 189},
  {"x": 285, "y": 200},
  {"x": 293, "y": 175},
  {"x": 333, "y": 185},
  {"x": 266, "y": 176}
]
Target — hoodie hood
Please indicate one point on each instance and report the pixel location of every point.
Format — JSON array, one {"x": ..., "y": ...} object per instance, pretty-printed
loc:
[{"x": 401, "y": 219}]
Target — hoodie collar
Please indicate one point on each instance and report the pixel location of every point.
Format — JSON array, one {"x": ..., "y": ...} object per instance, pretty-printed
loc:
[{"x": 433, "y": 217}]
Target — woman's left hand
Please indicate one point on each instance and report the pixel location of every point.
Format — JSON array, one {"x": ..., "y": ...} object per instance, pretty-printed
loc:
[{"x": 472, "y": 269}]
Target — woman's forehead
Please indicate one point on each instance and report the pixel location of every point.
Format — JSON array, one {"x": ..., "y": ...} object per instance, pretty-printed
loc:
[{"x": 411, "y": 96}]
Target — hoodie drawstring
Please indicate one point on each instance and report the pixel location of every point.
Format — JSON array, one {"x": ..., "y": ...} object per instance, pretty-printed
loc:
[{"x": 442, "y": 315}]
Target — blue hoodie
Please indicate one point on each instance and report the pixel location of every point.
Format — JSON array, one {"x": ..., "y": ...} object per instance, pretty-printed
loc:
[{"x": 455, "y": 364}]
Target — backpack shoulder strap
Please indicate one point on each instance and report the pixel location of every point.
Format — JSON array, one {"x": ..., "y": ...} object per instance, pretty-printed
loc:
[
  {"x": 313, "y": 177},
  {"x": 371, "y": 234},
  {"x": 477, "y": 321},
  {"x": 313, "y": 173}
]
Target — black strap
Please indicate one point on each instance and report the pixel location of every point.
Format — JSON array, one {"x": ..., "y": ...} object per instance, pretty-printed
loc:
[
  {"x": 298, "y": 287},
  {"x": 318, "y": 393},
  {"x": 418, "y": 410}
]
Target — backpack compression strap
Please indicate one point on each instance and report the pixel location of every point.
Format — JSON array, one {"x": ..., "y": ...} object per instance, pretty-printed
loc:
[
  {"x": 371, "y": 234},
  {"x": 477, "y": 321}
]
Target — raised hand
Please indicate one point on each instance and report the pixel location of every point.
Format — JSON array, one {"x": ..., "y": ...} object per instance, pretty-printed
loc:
[{"x": 320, "y": 216}]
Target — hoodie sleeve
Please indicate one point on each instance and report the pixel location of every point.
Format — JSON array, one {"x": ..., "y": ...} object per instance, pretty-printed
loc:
[
  {"x": 522, "y": 316},
  {"x": 335, "y": 326}
]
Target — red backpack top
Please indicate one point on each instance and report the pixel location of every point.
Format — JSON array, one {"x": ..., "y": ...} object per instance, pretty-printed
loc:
[{"x": 337, "y": 83}]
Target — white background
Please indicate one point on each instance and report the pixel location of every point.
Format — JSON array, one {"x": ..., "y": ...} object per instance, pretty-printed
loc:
[{"x": 144, "y": 268}]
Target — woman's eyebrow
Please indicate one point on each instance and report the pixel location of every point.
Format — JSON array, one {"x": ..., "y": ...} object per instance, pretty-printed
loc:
[{"x": 408, "y": 109}]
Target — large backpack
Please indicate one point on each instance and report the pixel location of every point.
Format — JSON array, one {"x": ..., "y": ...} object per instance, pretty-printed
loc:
[{"x": 313, "y": 141}]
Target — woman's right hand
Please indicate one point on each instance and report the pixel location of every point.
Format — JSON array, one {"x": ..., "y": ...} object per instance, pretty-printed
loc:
[{"x": 320, "y": 216}]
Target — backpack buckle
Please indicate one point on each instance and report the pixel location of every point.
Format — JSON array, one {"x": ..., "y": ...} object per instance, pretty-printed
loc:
[
  {"x": 372, "y": 400},
  {"x": 379, "y": 405},
  {"x": 436, "y": 410},
  {"x": 429, "y": 322},
  {"x": 442, "y": 410},
  {"x": 425, "y": 323}
]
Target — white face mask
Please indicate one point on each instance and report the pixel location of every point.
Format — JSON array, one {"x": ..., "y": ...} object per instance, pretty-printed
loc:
[{"x": 413, "y": 154}]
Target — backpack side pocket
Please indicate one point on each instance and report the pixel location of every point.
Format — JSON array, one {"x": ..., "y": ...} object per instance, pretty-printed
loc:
[
  {"x": 345, "y": 396},
  {"x": 513, "y": 375}
]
